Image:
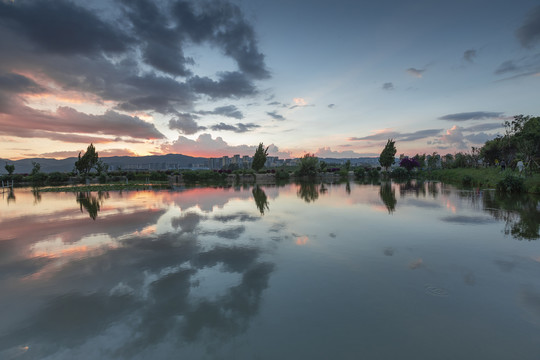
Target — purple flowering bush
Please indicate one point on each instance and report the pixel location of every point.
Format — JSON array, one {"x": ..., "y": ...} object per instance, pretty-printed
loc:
[{"x": 408, "y": 163}]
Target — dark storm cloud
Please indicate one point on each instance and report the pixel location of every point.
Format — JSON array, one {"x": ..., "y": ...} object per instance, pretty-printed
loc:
[
  {"x": 476, "y": 115},
  {"x": 228, "y": 111},
  {"x": 529, "y": 33},
  {"x": 275, "y": 115},
  {"x": 131, "y": 55},
  {"x": 230, "y": 84},
  {"x": 331, "y": 106},
  {"x": 16, "y": 83},
  {"x": 469, "y": 55},
  {"x": 62, "y": 27},
  {"x": 222, "y": 24},
  {"x": 185, "y": 123},
  {"x": 274, "y": 103},
  {"x": 388, "y": 86},
  {"x": 417, "y": 135},
  {"x": 239, "y": 128}
]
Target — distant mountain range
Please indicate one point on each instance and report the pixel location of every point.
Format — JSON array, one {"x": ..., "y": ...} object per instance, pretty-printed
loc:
[{"x": 154, "y": 162}]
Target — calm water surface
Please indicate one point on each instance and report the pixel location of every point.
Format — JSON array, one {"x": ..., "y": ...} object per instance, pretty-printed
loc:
[{"x": 349, "y": 271}]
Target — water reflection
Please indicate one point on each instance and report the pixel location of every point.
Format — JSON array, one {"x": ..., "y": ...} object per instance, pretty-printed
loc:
[
  {"x": 198, "y": 273},
  {"x": 520, "y": 212},
  {"x": 388, "y": 196},
  {"x": 261, "y": 201},
  {"x": 309, "y": 191},
  {"x": 91, "y": 203}
]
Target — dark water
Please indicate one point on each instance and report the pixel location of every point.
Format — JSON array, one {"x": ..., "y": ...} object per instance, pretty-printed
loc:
[{"x": 391, "y": 271}]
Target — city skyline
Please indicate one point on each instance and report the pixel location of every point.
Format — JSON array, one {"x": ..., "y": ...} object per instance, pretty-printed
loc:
[{"x": 216, "y": 78}]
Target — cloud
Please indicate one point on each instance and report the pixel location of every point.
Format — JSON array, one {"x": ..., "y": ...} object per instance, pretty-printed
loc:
[
  {"x": 416, "y": 72},
  {"x": 229, "y": 85},
  {"x": 275, "y": 115},
  {"x": 102, "y": 153},
  {"x": 475, "y": 115},
  {"x": 239, "y": 128},
  {"x": 529, "y": 33},
  {"x": 484, "y": 127},
  {"x": 128, "y": 55},
  {"x": 274, "y": 103},
  {"x": 206, "y": 146},
  {"x": 327, "y": 152},
  {"x": 185, "y": 123},
  {"x": 68, "y": 120},
  {"x": 469, "y": 55},
  {"x": 64, "y": 28},
  {"x": 525, "y": 66},
  {"x": 388, "y": 86},
  {"x": 16, "y": 83},
  {"x": 454, "y": 137},
  {"x": 331, "y": 106},
  {"x": 396, "y": 135},
  {"x": 228, "y": 111}
]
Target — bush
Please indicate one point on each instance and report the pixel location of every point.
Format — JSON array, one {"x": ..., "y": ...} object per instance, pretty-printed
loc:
[
  {"x": 282, "y": 175},
  {"x": 511, "y": 183},
  {"x": 57, "y": 178},
  {"x": 359, "y": 172},
  {"x": 373, "y": 173},
  {"x": 467, "y": 180},
  {"x": 399, "y": 173}
]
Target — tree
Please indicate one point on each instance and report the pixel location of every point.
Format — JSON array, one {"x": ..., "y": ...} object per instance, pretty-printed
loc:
[
  {"x": 10, "y": 168},
  {"x": 88, "y": 161},
  {"x": 409, "y": 164},
  {"x": 388, "y": 154},
  {"x": 259, "y": 158},
  {"x": 309, "y": 165}
]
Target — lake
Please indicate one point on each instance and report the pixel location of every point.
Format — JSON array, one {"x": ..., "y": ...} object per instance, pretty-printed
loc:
[{"x": 300, "y": 271}]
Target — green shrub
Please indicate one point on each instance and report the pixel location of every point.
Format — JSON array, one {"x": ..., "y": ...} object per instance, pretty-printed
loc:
[
  {"x": 282, "y": 175},
  {"x": 359, "y": 172},
  {"x": 399, "y": 173},
  {"x": 511, "y": 183},
  {"x": 467, "y": 180},
  {"x": 57, "y": 177}
]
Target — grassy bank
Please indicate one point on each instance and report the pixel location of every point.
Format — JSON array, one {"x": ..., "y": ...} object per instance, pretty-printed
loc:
[{"x": 481, "y": 177}]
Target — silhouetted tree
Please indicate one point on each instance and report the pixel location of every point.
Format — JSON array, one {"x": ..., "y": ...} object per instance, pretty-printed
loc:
[
  {"x": 387, "y": 157},
  {"x": 10, "y": 168},
  {"x": 88, "y": 161},
  {"x": 259, "y": 158}
]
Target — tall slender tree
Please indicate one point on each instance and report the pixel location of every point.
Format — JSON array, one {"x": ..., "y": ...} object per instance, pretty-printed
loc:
[
  {"x": 259, "y": 158},
  {"x": 387, "y": 157}
]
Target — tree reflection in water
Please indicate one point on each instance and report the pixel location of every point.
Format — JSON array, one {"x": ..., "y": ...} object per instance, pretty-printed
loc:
[
  {"x": 520, "y": 212},
  {"x": 388, "y": 196},
  {"x": 261, "y": 200},
  {"x": 308, "y": 191},
  {"x": 91, "y": 203}
]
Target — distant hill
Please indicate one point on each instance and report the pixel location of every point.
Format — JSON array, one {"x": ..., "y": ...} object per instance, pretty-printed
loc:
[{"x": 153, "y": 162}]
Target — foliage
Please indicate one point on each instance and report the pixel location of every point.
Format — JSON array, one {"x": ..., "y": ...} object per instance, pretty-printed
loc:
[
  {"x": 467, "y": 180},
  {"x": 158, "y": 176},
  {"x": 408, "y": 164},
  {"x": 191, "y": 176},
  {"x": 421, "y": 159},
  {"x": 511, "y": 184},
  {"x": 387, "y": 157},
  {"x": 492, "y": 150},
  {"x": 399, "y": 173},
  {"x": 348, "y": 165},
  {"x": 101, "y": 167},
  {"x": 259, "y": 159},
  {"x": 282, "y": 175},
  {"x": 88, "y": 161},
  {"x": 359, "y": 172},
  {"x": 323, "y": 166},
  {"x": 309, "y": 165},
  {"x": 432, "y": 160},
  {"x": 373, "y": 173},
  {"x": 10, "y": 168},
  {"x": 36, "y": 168},
  {"x": 57, "y": 177}
]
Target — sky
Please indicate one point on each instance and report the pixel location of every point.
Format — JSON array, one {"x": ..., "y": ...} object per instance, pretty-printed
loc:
[{"x": 212, "y": 78}]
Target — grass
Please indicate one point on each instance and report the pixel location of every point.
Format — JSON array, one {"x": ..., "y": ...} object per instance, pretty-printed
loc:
[{"x": 481, "y": 177}]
